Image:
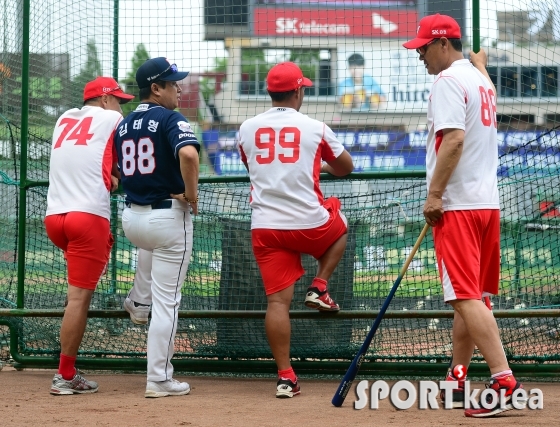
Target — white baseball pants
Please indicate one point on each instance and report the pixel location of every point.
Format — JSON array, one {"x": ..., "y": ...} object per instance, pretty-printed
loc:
[{"x": 165, "y": 239}]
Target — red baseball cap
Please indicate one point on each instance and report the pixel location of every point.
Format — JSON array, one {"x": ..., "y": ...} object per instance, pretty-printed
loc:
[
  {"x": 105, "y": 86},
  {"x": 433, "y": 27},
  {"x": 285, "y": 77}
]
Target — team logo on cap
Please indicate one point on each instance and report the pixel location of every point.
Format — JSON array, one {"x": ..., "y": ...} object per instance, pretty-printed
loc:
[
  {"x": 110, "y": 89},
  {"x": 299, "y": 81},
  {"x": 418, "y": 30},
  {"x": 184, "y": 126}
]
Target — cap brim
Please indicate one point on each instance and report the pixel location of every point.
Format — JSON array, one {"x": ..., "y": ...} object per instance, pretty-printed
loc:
[
  {"x": 416, "y": 43},
  {"x": 123, "y": 97},
  {"x": 307, "y": 82},
  {"x": 175, "y": 77}
]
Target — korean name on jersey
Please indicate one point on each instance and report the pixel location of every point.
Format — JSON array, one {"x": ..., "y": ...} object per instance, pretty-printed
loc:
[{"x": 148, "y": 141}]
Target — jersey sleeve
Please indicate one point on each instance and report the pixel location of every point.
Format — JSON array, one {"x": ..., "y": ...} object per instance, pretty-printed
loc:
[
  {"x": 179, "y": 133},
  {"x": 114, "y": 150},
  {"x": 331, "y": 146},
  {"x": 449, "y": 104},
  {"x": 241, "y": 142},
  {"x": 112, "y": 140}
]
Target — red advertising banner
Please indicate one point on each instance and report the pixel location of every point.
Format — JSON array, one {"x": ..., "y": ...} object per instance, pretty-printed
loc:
[{"x": 334, "y": 22}]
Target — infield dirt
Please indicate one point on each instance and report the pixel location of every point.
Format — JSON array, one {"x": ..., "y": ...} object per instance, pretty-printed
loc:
[{"x": 235, "y": 402}]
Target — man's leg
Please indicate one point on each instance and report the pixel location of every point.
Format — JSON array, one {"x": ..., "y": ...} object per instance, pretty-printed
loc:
[
  {"x": 67, "y": 380},
  {"x": 74, "y": 321},
  {"x": 141, "y": 291},
  {"x": 87, "y": 241},
  {"x": 463, "y": 348},
  {"x": 278, "y": 256},
  {"x": 483, "y": 330},
  {"x": 331, "y": 258},
  {"x": 317, "y": 294},
  {"x": 463, "y": 345},
  {"x": 169, "y": 268},
  {"x": 139, "y": 299},
  {"x": 332, "y": 235},
  {"x": 278, "y": 327},
  {"x": 278, "y": 330}
]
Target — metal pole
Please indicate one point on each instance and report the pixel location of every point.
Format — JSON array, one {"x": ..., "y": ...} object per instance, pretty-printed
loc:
[
  {"x": 517, "y": 247},
  {"x": 4, "y": 108},
  {"x": 22, "y": 213},
  {"x": 116, "y": 40},
  {"x": 476, "y": 25},
  {"x": 114, "y": 206}
]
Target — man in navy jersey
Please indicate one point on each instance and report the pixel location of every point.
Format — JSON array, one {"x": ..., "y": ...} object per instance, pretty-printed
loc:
[{"x": 158, "y": 159}]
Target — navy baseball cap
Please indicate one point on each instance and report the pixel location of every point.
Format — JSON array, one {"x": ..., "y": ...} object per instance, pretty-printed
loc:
[{"x": 158, "y": 69}]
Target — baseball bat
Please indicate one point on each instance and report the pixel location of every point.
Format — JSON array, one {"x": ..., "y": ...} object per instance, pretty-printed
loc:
[{"x": 346, "y": 383}]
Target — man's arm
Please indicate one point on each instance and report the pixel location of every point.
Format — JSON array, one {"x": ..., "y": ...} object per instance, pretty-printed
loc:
[
  {"x": 340, "y": 166},
  {"x": 115, "y": 177},
  {"x": 188, "y": 161},
  {"x": 448, "y": 157},
  {"x": 479, "y": 61},
  {"x": 243, "y": 156}
]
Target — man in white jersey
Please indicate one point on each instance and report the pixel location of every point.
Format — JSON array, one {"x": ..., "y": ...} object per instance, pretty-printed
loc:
[
  {"x": 82, "y": 173},
  {"x": 463, "y": 203},
  {"x": 283, "y": 151}
]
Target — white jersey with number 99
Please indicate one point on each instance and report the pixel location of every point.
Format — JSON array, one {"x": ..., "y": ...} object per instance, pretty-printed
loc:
[{"x": 284, "y": 150}]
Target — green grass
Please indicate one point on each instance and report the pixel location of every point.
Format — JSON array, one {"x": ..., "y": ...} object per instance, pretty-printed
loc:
[{"x": 543, "y": 283}]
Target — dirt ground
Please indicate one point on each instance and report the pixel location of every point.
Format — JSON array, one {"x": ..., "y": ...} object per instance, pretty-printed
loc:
[{"x": 25, "y": 401}]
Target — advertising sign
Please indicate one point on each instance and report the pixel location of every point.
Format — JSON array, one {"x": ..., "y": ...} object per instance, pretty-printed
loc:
[
  {"x": 390, "y": 80},
  {"x": 350, "y": 22},
  {"x": 520, "y": 152},
  {"x": 341, "y": 3}
]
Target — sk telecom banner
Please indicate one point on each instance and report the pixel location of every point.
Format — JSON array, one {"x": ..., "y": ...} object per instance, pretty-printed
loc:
[
  {"x": 520, "y": 152},
  {"x": 349, "y": 22}
]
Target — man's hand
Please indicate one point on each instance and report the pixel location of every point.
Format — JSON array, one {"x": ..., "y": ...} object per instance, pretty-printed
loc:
[
  {"x": 114, "y": 183},
  {"x": 194, "y": 206},
  {"x": 479, "y": 60},
  {"x": 433, "y": 209}
]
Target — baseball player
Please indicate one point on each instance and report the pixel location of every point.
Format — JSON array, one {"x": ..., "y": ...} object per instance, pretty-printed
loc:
[
  {"x": 158, "y": 159},
  {"x": 463, "y": 202},
  {"x": 81, "y": 175},
  {"x": 283, "y": 152}
]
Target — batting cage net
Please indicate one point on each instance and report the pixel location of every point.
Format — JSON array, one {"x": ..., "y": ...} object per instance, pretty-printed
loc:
[{"x": 370, "y": 90}]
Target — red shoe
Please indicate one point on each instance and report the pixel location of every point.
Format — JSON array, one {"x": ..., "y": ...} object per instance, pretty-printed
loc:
[
  {"x": 320, "y": 300},
  {"x": 458, "y": 393},
  {"x": 506, "y": 383},
  {"x": 286, "y": 388}
]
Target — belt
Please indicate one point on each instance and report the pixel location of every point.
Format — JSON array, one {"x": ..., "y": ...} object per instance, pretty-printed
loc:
[{"x": 163, "y": 204}]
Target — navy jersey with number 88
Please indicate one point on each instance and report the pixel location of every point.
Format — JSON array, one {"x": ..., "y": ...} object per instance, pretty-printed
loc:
[{"x": 148, "y": 141}]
